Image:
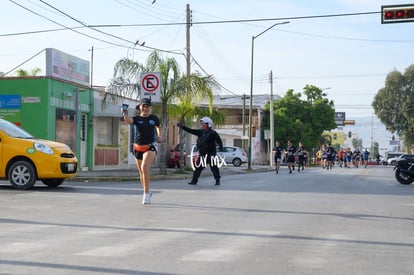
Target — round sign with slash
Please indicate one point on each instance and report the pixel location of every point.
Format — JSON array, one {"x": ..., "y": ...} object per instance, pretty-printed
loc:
[{"x": 150, "y": 86}]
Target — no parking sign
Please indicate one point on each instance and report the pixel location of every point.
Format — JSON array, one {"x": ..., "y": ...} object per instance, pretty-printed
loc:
[{"x": 151, "y": 86}]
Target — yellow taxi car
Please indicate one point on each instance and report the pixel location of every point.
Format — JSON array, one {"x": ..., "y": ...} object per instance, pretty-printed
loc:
[{"x": 25, "y": 159}]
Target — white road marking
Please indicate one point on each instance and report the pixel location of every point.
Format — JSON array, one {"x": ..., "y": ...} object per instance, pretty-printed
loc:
[{"x": 21, "y": 247}]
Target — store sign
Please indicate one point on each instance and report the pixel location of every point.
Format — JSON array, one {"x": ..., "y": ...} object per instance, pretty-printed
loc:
[
  {"x": 67, "y": 67},
  {"x": 10, "y": 101},
  {"x": 10, "y": 108},
  {"x": 31, "y": 99},
  {"x": 339, "y": 118}
]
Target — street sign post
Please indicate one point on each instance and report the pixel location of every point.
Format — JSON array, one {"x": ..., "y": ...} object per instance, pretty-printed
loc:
[{"x": 151, "y": 86}]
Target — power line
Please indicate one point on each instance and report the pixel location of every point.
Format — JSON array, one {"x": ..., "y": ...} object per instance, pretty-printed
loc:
[
  {"x": 89, "y": 36},
  {"x": 41, "y": 31},
  {"x": 83, "y": 24},
  {"x": 44, "y": 8},
  {"x": 216, "y": 82},
  {"x": 57, "y": 23},
  {"x": 231, "y": 21},
  {"x": 331, "y": 76},
  {"x": 354, "y": 107},
  {"x": 102, "y": 32},
  {"x": 213, "y": 49},
  {"x": 348, "y": 38},
  {"x": 93, "y": 27},
  {"x": 243, "y": 20},
  {"x": 142, "y": 7},
  {"x": 24, "y": 62}
]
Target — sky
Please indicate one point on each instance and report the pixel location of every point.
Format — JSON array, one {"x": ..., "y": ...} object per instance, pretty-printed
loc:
[{"x": 347, "y": 56}]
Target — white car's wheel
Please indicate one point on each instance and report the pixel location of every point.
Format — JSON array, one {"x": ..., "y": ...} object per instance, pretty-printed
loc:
[{"x": 237, "y": 162}]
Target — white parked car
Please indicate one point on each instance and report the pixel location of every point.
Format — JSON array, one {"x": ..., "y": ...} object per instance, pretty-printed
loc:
[
  {"x": 393, "y": 161},
  {"x": 234, "y": 155}
]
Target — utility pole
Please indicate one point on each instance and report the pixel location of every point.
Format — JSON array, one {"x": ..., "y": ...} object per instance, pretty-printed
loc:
[
  {"x": 188, "y": 25},
  {"x": 91, "y": 67},
  {"x": 272, "y": 131},
  {"x": 244, "y": 120},
  {"x": 76, "y": 120},
  {"x": 188, "y": 59},
  {"x": 372, "y": 135}
]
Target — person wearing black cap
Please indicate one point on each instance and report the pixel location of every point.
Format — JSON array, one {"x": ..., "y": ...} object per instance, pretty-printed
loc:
[
  {"x": 207, "y": 141},
  {"x": 146, "y": 135}
]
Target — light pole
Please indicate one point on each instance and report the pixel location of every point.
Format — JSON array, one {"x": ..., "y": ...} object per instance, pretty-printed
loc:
[
  {"x": 272, "y": 130},
  {"x": 251, "y": 92}
]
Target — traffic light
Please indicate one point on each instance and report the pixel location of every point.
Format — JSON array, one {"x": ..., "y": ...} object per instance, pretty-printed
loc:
[
  {"x": 349, "y": 134},
  {"x": 397, "y": 13}
]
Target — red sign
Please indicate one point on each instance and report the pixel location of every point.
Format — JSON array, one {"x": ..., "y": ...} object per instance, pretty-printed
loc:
[{"x": 150, "y": 83}]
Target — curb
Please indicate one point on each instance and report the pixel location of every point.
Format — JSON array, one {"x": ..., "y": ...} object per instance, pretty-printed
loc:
[
  {"x": 124, "y": 178},
  {"x": 154, "y": 177}
]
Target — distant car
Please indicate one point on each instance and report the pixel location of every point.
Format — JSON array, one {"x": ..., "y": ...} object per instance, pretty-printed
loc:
[
  {"x": 231, "y": 154},
  {"x": 25, "y": 159},
  {"x": 393, "y": 161},
  {"x": 390, "y": 155},
  {"x": 234, "y": 155},
  {"x": 174, "y": 157}
]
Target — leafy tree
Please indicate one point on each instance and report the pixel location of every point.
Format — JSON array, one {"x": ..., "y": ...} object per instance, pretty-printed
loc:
[
  {"x": 21, "y": 73},
  {"x": 394, "y": 104},
  {"x": 35, "y": 71},
  {"x": 302, "y": 120},
  {"x": 191, "y": 90}
]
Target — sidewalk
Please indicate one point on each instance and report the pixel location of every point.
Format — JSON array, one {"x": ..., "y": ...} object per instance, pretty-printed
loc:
[{"x": 131, "y": 174}]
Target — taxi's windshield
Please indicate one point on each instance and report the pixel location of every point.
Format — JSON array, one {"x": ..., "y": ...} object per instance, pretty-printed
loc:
[{"x": 13, "y": 130}]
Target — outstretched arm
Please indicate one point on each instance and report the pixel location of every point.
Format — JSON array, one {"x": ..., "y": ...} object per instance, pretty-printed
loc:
[{"x": 189, "y": 130}]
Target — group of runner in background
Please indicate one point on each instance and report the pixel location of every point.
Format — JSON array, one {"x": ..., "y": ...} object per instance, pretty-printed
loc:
[
  {"x": 327, "y": 157},
  {"x": 292, "y": 155}
]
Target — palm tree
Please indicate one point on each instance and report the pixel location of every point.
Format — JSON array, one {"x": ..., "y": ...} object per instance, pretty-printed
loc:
[
  {"x": 33, "y": 72},
  {"x": 190, "y": 90},
  {"x": 126, "y": 83}
]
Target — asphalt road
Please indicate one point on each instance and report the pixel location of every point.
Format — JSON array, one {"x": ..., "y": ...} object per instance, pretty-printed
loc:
[{"x": 342, "y": 221}]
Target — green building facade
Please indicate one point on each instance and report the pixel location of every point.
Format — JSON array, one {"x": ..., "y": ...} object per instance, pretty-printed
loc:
[{"x": 53, "y": 109}]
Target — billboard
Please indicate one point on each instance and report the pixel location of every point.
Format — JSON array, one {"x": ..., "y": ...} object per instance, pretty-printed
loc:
[{"x": 67, "y": 67}]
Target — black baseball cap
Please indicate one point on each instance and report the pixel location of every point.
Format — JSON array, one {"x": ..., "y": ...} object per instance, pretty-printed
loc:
[{"x": 146, "y": 101}]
